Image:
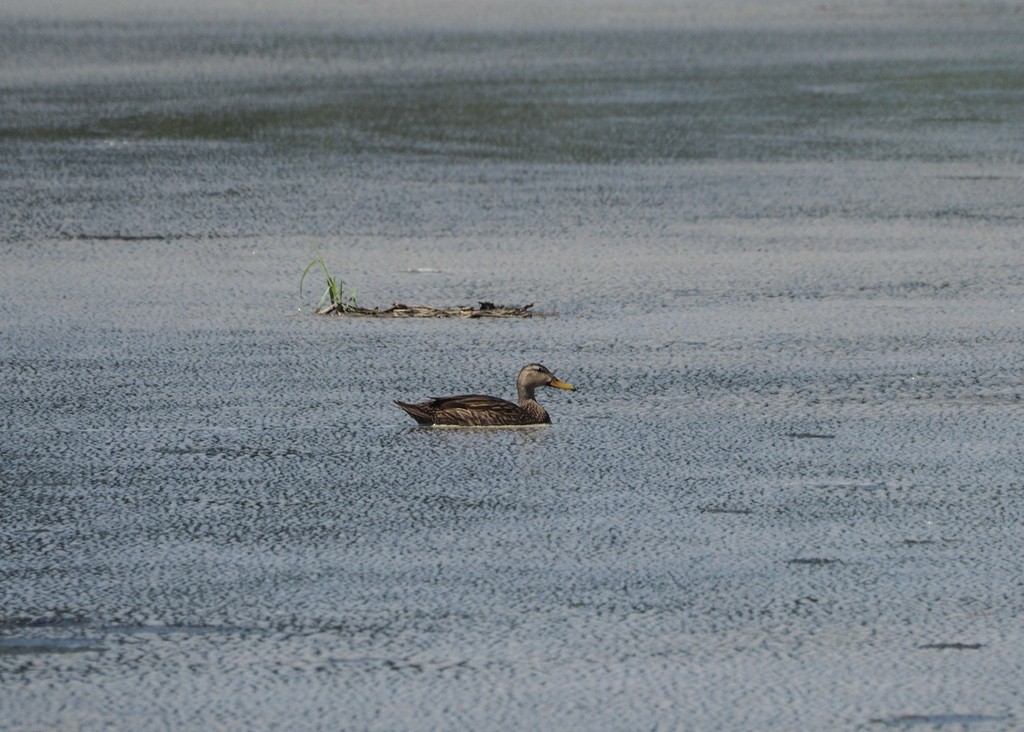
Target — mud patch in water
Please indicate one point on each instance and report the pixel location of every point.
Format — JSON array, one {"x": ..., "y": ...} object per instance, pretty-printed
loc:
[
  {"x": 952, "y": 646},
  {"x": 400, "y": 310}
]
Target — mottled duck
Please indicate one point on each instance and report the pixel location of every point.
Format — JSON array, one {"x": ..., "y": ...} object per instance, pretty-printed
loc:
[{"x": 477, "y": 410}]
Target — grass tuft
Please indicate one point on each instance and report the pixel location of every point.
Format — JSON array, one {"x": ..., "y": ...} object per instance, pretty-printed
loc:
[{"x": 334, "y": 298}]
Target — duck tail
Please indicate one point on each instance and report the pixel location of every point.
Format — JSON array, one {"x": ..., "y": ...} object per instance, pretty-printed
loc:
[{"x": 417, "y": 412}]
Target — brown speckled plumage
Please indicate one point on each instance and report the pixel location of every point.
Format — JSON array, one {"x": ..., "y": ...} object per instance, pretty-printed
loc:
[{"x": 477, "y": 410}]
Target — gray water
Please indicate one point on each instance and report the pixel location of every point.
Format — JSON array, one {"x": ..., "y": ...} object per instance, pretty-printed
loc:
[{"x": 781, "y": 262}]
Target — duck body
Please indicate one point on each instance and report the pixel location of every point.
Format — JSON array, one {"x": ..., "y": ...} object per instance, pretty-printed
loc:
[{"x": 478, "y": 410}]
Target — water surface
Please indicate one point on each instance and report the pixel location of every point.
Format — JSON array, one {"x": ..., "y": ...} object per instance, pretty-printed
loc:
[{"x": 782, "y": 266}]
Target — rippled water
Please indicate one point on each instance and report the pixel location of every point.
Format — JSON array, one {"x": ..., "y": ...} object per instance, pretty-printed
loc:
[{"x": 782, "y": 265}]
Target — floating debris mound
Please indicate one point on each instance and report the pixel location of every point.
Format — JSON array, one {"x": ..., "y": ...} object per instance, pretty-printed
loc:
[{"x": 401, "y": 310}]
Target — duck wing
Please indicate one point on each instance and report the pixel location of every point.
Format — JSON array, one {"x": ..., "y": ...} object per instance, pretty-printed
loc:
[
  {"x": 467, "y": 410},
  {"x": 469, "y": 401}
]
